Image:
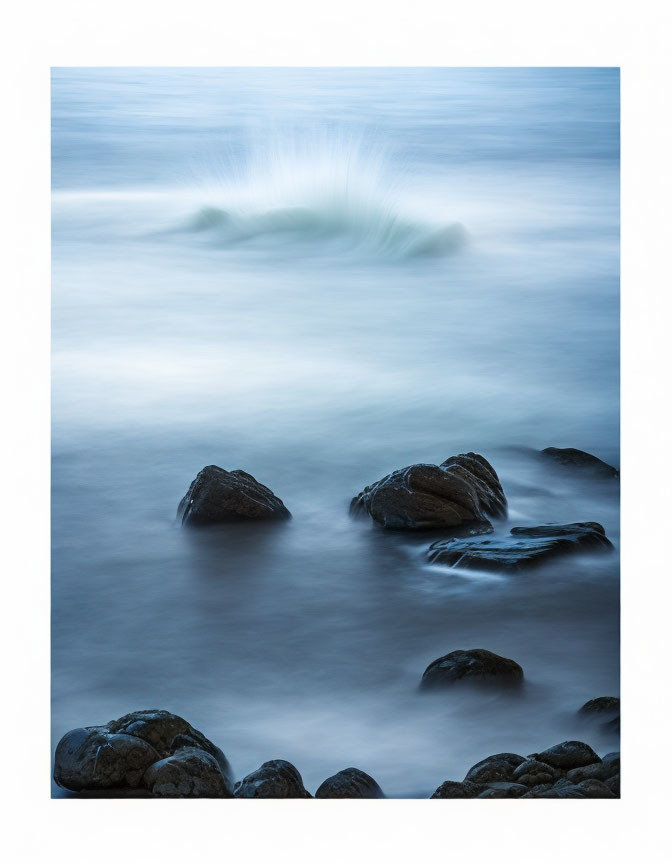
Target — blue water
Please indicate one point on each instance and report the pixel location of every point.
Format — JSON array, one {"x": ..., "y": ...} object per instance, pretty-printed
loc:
[{"x": 320, "y": 275}]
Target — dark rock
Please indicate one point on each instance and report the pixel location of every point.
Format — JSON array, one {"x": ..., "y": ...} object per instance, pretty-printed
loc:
[
  {"x": 217, "y": 496},
  {"x": 613, "y": 725},
  {"x": 494, "y": 769},
  {"x": 614, "y": 785},
  {"x": 538, "y": 791},
  {"x": 167, "y": 733},
  {"x": 350, "y": 783},
  {"x": 603, "y": 705},
  {"x": 275, "y": 779},
  {"x": 565, "y": 791},
  {"x": 92, "y": 758},
  {"x": 596, "y": 771},
  {"x": 188, "y": 773},
  {"x": 613, "y": 760},
  {"x": 461, "y": 492},
  {"x": 504, "y": 790},
  {"x": 535, "y": 773},
  {"x": 476, "y": 665},
  {"x": 594, "y": 789},
  {"x": 579, "y": 459},
  {"x": 526, "y": 547},
  {"x": 453, "y": 789},
  {"x": 568, "y": 755}
]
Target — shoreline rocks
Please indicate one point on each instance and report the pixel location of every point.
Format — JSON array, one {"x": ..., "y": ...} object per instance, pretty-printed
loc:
[
  {"x": 217, "y": 496},
  {"x": 475, "y": 665},
  {"x": 152, "y": 751},
  {"x": 524, "y": 548},
  {"x": 461, "y": 492}
]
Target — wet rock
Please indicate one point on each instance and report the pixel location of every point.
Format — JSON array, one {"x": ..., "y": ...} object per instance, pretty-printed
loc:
[
  {"x": 534, "y": 773},
  {"x": 274, "y": 779},
  {"x": 568, "y": 755},
  {"x": 594, "y": 789},
  {"x": 565, "y": 791},
  {"x": 526, "y": 547},
  {"x": 494, "y": 769},
  {"x": 476, "y": 665},
  {"x": 188, "y": 773},
  {"x": 92, "y": 758},
  {"x": 614, "y": 785},
  {"x": 350, "y": 783},
  {"x": 504, "y": 790},
  {"x": 217, "y": 496},
  {"x": 167, "y": 733},
  {"x": 613, "y": 760},
  {"x": 597, "y": 771},
  {"x": 602, "y": 706},
  {"x": 453, "y": 789},
  {"x": 460, "y": 493},
  {"x": 579, "y": 459}
]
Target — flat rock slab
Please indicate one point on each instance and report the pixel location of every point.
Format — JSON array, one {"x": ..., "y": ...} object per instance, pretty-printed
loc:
[
  {"x": 462, "y": 491},
  {"x": 218, "y": 496},
  {"x": 579, "y": 460},
  {"x": 476, "y": 665},
  {"x": 526, "y": 547}
]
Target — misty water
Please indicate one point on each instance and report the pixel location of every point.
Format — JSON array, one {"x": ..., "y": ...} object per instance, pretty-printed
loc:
[{"x": 319, "y": 276}]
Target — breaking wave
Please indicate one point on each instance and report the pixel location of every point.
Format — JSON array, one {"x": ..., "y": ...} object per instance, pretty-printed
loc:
[{"x": 327, "y": 191}]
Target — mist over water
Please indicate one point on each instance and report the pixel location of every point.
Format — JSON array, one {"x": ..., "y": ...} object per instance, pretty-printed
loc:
[{"x": 319, "y": 276}]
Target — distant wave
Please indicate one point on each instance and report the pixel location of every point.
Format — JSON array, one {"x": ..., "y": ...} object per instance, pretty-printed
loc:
[{"x": 320, "y": 191}]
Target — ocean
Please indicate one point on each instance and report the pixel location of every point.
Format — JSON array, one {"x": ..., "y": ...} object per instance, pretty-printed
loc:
[{"x": 319, "y": 276}]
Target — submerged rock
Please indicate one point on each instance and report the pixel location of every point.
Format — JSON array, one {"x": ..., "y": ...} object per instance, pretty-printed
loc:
[
  {"x": 461, "y": 492},
  {"x": 579, "y": 459},
  {"x": 453, "y": 789},
  {"x": 350, "y": 783},
  {"x": 476, "y": 664},
  {"x": 602, "y": 706},
  {"x": 494, "y": 769},
  {"x": 217, "y": 496},
  {"x": 274, "y": 779},
  {"x": 526, "y": 547},
  {"x": 117, "y": 756},
  {"x": 568, "y": 755},
  {"x": 188, "y": 773}
]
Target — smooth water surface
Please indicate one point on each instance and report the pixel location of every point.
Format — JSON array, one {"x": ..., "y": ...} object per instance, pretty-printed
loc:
[{"x": 320, "y": 276}]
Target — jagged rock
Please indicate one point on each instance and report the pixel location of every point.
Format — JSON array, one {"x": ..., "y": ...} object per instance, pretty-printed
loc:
[
  {"x": 188, "y": 773},
  {"x": 92, "y": 758},
  {"x": 274, "y": 779},
  {"x": 476, "y": 665},
  {"x": 568, "y": 755},
  {"x": 534, "y": 773},
  {"x": 350, "y": 783},
  {"x": 217, "y": 496},
  {"x": 460, "y": 493},
  {"x": 581, "y": 460},
  {"x": 453, "y": 789},
  {"x": 168, "y": 733},
  {"x": 526, "y": 547},
  {"x": 494, "y": 769}
]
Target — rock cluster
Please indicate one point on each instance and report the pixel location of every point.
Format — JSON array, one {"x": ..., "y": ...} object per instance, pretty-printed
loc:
[
  {"x": 526, "y": 547},
  {"x": 571, "y": 769},
  {"x": 461, "y": 492},
  {"x": 217, "y": 496},
  {"x": 153, "y": 751}
]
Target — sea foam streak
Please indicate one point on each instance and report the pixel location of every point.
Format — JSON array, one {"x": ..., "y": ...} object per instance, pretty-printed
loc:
[{"x": 321, "y": 189}]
